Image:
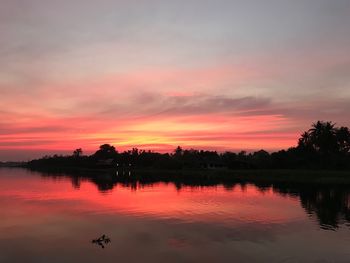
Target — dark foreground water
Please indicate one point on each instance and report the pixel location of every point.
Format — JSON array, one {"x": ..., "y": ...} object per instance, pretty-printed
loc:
[{"x": 45, "y": 218}]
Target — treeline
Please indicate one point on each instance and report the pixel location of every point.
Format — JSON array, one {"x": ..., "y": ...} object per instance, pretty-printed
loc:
[{"x": 323, "y": 146}]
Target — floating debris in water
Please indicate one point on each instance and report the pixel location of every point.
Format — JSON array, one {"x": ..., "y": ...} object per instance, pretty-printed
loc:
[{"x": 101, "y": 241}]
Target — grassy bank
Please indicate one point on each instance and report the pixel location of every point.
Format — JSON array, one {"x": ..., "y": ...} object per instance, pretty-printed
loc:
[{"x": 210, "y": 176}]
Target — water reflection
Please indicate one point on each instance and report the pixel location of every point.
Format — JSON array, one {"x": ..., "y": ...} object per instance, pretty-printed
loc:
[
  {"x": 153, "y": 220},
  {"x": 330, "y": 204}
]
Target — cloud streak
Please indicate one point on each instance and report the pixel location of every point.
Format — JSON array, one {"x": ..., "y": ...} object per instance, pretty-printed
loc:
[{"x": 155, "y": 74}]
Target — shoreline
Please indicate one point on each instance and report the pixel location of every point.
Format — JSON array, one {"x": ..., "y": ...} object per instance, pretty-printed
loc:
[{"x": 218, "y": 175}]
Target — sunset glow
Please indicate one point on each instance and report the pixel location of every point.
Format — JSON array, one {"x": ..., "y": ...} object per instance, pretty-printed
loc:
[{"x": 158, "y": 74}]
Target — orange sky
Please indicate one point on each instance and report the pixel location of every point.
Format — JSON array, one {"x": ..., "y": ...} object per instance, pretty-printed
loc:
[{"x": 220, "y": 75}]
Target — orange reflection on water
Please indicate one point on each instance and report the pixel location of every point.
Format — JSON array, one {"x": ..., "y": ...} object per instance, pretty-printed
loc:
[{"x": 34, "y": 196}]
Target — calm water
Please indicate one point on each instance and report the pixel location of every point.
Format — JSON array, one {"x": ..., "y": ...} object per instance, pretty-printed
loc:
[{"x": 45, "y": 218}]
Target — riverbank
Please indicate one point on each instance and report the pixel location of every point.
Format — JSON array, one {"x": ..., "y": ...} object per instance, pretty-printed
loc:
[{"x": 207, "y": 175}]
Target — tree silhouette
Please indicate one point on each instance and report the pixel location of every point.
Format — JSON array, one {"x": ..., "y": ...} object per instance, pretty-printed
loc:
[
  {"x": 322, "y": 146},
  {"x": 106, "y": 151},
  {"x": 178, "y": 151},
  {"x": 326, "y": 140},
  {"x": 305, "y": 141},
  {"x": 343, "y": 139},
  {"x": 78, "y": 152},
  {"x": 321, "y": 137}
]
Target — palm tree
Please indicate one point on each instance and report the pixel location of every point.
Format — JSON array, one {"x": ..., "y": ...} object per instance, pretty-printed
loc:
[
  {"x": 304, "y": 140},
  {"x": 323, "y": 137}
]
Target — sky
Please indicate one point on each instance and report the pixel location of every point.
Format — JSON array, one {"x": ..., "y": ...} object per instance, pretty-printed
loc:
[{"x": 217, "y": 75}]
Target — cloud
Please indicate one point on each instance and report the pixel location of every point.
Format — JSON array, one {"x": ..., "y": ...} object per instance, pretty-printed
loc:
[{"x": 215, "y": 74}]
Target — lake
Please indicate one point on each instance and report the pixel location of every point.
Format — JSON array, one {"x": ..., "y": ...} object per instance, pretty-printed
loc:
[{"x": 54, "y": 217}]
